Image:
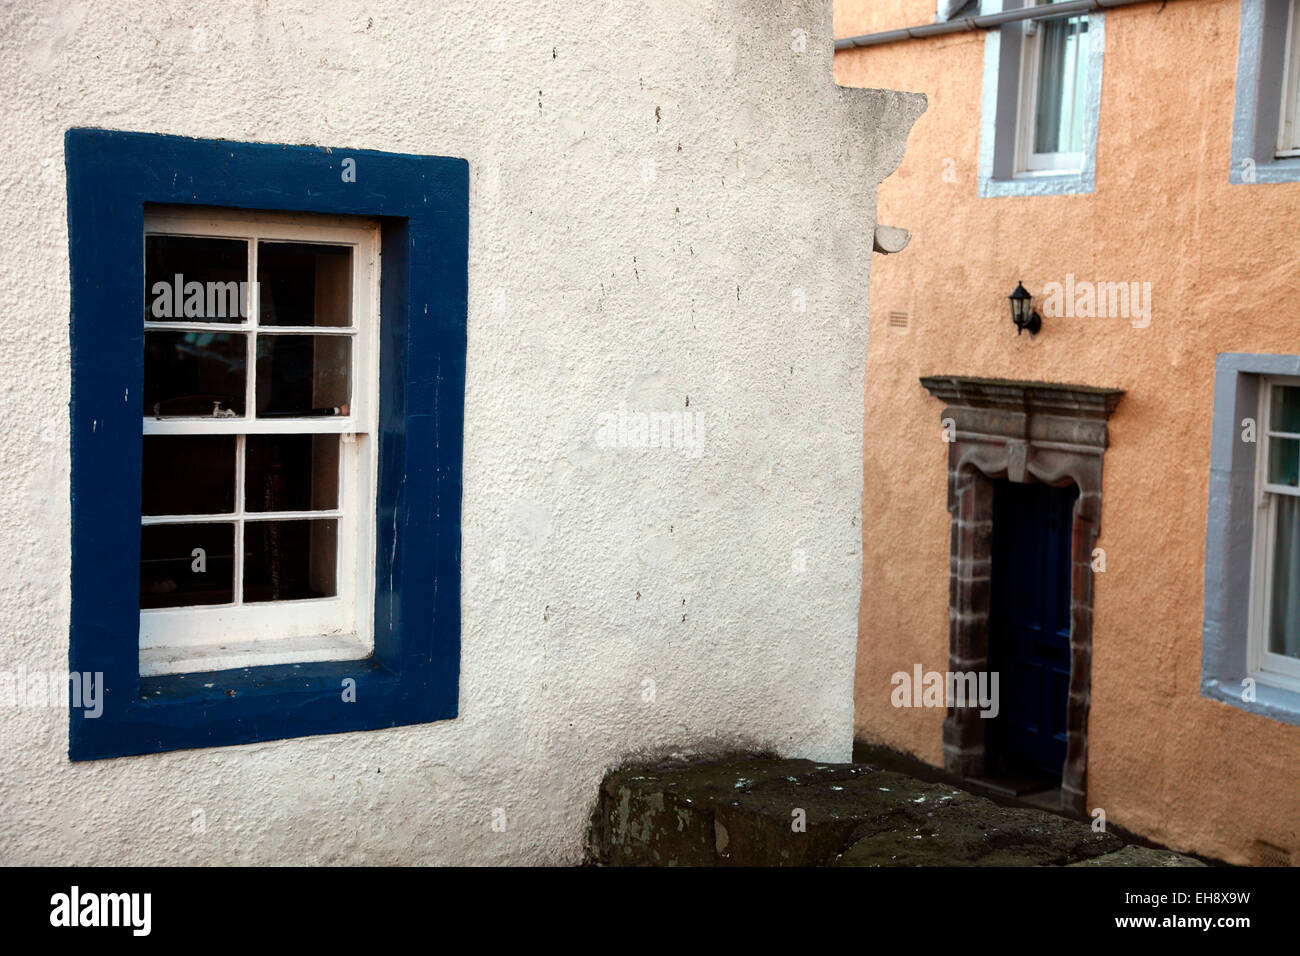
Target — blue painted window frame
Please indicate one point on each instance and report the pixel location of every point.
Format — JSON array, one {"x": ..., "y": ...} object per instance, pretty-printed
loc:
[{"x": 422, "y": 205}]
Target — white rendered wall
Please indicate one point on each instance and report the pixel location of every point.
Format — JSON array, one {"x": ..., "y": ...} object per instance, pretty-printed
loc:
[{"x": 656, "y": 188}]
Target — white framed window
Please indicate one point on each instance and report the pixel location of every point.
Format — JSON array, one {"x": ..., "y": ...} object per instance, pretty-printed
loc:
[
  {"x": 1274, "y": 619},
  {"x": 259, "y": 466},
  {"x": 1289, "y": 123},
  {"x": 1053, "y": 81}
]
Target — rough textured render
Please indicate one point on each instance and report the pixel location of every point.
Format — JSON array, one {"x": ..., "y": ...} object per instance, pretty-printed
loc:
[
  {"x": 1163, "y": 761},
  {"x": 672, "y": 209}
]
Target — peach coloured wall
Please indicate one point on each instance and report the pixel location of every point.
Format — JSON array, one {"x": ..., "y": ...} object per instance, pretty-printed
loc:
[{"x": 1222, "y": 263}]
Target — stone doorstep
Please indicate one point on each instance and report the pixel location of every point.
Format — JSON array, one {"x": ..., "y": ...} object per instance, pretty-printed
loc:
[{"x": 755, "y": 811}]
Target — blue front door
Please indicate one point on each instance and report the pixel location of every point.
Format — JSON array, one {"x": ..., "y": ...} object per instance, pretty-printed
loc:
[{"x": 1029, "y": 627}]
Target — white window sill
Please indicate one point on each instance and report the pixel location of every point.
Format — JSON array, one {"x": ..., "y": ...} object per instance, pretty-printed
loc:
[
  {"x": 155, "y": 661},
  {"x": 1044, "y": 173},
  {"x": 1281, "y": 681}
]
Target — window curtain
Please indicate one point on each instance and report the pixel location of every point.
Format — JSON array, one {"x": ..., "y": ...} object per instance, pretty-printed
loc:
[{"x": 1284, "y": 623}]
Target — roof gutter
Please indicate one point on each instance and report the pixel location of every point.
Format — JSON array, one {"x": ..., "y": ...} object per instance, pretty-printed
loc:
[{"x": 988, "y": 21}]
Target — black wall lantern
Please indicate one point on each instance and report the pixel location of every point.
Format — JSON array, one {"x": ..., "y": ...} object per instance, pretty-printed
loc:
[{"x": 1022, "y": 312}]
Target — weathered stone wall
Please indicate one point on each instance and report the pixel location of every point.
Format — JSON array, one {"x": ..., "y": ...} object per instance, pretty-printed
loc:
[{"x": 749, "y": 810}]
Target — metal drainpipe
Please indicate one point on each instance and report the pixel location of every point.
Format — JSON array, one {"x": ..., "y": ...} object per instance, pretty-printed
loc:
[{"x": 988, "y": 21}]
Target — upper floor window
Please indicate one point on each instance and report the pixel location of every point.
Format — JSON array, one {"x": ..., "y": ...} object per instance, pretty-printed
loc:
[
  {"x": 257, "y": 489},
  {"x": 1275, "y": 609},
  {"x": 1266, "y": 107},
  {"x": 1289, "y": 125},
  {"x": 1053, "y": 80},
  {"x": 1041, "y": 102}
]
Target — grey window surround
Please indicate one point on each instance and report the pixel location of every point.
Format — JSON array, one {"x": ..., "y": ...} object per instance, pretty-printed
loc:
[
  {"x": 947, "y": 9},
  {"x": 999, "y": 106},
  {"x": 1229, "y": 531},
  {"x": 1257, "y": 105}
]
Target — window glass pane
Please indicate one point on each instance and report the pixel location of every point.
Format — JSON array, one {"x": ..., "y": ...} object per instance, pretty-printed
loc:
[
  {"x": 304, "y": 284},
  {"x": 289, "y": 560},
  {"x": 1284, "y": 603},
  {"x": 188, "y": 475},
  {"x": 184, "y": 564},
  {"x": 1284, "y": 414},
  {"x": 190, "y": 279},
  {"x": 1058, "y": 121},
  {"x": 302, "y": 374},
  {"x": 292, "y": 472},
  {"x": 1284, "y": 461},
  {"x": 1290, "y": 131},
  {"x": 194, "y": 373}
]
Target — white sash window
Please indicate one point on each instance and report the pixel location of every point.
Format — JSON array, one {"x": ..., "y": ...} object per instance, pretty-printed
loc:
[
  {"x": 1050, "y": 133},
  {"x": 260, "y": 394},
  {"x": 1289, "y": 126},
  {"x": 1275, "y": 606}
]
